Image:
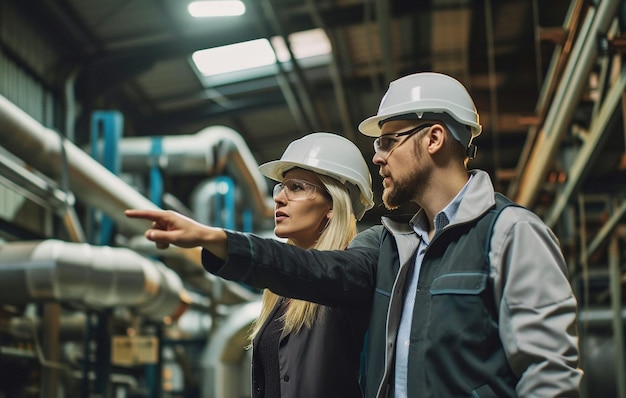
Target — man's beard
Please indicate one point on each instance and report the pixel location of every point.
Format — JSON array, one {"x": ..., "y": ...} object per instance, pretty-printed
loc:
[
  {"x": 406, "y": 188},
  {"x": 400, "y": 194}
]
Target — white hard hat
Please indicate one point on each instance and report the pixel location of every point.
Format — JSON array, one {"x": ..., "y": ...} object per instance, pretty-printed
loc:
[
  {"x": 331, "y": 155},
  {"x": 428, "y": 96}
]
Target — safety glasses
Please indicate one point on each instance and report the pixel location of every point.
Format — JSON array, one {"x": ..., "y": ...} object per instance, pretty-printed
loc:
[
  {"x": 296, "y": 189},
  {"x": 384, "y": 144}
]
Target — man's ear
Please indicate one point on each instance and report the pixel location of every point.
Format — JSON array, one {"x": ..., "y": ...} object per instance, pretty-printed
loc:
[{"x": 436, "y": 138}]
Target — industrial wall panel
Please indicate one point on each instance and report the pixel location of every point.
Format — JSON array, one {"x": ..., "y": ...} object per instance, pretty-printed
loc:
[{"x": 27, "y": 42}]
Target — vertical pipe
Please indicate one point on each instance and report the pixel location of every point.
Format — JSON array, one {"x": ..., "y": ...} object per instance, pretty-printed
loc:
[
  {"x": 248, "y": 220},
  {"x": 103, "y": 367},
  {"x": 229, "y": 198},
  {"x": 584, "y": 329},
  {"x": 51, "y": 350},
  {"x": 109, "y": 126},
  {"x": 156, "y": 177},
  {"x": 618, "y": 323},
  {"x": 493, "y": 90}
]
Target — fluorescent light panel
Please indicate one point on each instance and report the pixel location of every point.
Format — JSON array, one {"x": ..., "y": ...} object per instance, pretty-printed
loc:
[
  {"x": 259, "y": 53},
  {"x": 234, "y": 57},
  {"x": 215, "y": 8}
]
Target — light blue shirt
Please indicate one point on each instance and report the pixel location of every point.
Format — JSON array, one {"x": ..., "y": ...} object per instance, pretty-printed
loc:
[{"x": 420, "y": 226}]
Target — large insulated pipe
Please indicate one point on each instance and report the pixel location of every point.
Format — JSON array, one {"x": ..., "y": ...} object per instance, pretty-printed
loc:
[
  {"x": 95, "y": 276},
  {"x": 211, "y": 151},
  {"x": 40, "y": 147},
  {"x": 91, "y": 182}
]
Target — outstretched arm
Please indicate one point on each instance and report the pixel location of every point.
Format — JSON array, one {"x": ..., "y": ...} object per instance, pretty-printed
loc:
[
  {"x": 340, "y": 278},
  {"x": 169, "y": 227}
]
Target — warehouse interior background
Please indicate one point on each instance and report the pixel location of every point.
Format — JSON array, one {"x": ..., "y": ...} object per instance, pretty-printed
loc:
[{"x": 103, "y": 108}]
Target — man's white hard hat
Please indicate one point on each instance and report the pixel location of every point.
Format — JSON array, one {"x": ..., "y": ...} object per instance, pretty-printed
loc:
[{"x": 428, "y": 96}]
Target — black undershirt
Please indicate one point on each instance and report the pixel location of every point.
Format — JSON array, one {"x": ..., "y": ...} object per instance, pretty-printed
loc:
[{"x": 267, "y": 350}]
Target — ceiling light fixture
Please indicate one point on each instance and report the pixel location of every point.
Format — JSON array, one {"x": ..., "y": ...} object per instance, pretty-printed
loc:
[{"x": 215, "y": 8}]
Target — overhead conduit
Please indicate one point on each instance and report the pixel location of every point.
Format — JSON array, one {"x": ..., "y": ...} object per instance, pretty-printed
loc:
[{"x": 93, "y": 184}]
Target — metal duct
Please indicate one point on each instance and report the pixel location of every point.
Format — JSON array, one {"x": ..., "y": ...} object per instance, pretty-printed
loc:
[
  {"x": 95, "y": 276},
  {"x": 213, "y": 150},
  {"x": 91, "y": 182}
]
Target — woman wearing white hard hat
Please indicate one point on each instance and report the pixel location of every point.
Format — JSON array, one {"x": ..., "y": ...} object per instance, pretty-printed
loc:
[{"x": 302, "y": 349}]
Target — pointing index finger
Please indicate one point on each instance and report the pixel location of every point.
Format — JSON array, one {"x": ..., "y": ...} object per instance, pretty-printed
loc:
[{"x": 152, "y": 215}]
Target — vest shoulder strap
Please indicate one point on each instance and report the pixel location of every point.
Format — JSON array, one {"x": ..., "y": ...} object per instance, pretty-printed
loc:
[{"x": 502, "y": 202}]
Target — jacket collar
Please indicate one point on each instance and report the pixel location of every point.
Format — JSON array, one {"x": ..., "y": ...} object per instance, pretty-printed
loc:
[{"x": 479, "y": 198}]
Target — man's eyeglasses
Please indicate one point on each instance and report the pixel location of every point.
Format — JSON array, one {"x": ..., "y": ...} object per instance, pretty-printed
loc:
[
  {"x": 296, "y": 189},
  {"x": 384, "y": 144}
]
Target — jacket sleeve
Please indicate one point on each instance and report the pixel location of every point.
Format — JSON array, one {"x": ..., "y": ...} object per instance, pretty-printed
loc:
[
  {"x": 336, "y": 278},
  {"x": 537, "y": 307}
]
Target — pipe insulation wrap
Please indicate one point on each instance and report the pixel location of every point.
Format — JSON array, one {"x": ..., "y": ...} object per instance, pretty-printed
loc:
[
  {"x": 214, "y": 150},
  {"x": 96, "y": 276}
]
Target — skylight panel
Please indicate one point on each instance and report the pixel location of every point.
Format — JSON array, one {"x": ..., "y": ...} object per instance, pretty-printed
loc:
[
  {"x": 305, "y": 44},
  {"x": 234, "y": 57},
  {"x": 259, "y": 54}
]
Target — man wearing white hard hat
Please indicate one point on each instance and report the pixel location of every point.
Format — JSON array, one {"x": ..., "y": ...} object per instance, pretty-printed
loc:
[
  {"x": 470, "y": 297},
  {"x": 479, "y": 302}
]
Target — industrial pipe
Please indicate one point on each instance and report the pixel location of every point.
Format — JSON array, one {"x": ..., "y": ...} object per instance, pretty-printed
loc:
[
  {"x": 95, "y": 276},
  {"x": 214, "y": 150},
  {"x": 43, "y": 148}
]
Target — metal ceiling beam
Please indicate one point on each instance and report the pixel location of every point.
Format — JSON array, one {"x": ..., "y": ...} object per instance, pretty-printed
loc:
[
  {"x": 335, "y": 74},
  {"x": 589, "y": 149},
  {"x": 167, "y": 121},
  {"x": 383, "y": 24},
  {"x": 549, "y": 84},
  {"x": 605, "y": 232},
  {"x": 565, "y": 101},
  {"x": 301, "y": 105},
  {"x": 71, "y": 37}
]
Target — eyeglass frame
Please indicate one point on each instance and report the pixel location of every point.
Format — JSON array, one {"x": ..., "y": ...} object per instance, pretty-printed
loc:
[
  {"x": 280, "y": 187},
  {"x": 377, "y": 148}
]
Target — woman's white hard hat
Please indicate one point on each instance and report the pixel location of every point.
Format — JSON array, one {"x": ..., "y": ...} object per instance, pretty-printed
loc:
[{"x": 331, "y": 155}]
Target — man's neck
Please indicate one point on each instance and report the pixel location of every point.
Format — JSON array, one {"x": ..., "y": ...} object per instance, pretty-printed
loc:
[{"x": 440, "y": 194}]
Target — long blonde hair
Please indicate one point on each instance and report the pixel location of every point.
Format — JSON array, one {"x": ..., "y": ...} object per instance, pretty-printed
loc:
[{"x": 340, "y": 230}]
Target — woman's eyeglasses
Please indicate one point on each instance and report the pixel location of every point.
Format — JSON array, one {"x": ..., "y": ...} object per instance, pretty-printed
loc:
[
  {"x": 296, "y": 189},
  {"x": 384, "y": 144}
]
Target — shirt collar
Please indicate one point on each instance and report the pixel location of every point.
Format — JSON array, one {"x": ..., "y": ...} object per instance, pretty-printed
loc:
[{"x": 443, "y": 218}]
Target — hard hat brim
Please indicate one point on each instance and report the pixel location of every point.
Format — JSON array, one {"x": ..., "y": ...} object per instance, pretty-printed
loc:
[
  {"x": 370, "y": 125},
  {"x": 277, "y": 168}
]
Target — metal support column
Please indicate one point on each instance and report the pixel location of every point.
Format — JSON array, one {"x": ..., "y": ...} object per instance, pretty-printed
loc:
[{"x": 618, "y": 323}]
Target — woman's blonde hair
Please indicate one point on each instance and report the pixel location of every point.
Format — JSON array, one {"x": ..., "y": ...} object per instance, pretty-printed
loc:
[{"x": 339, "y": 231}]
